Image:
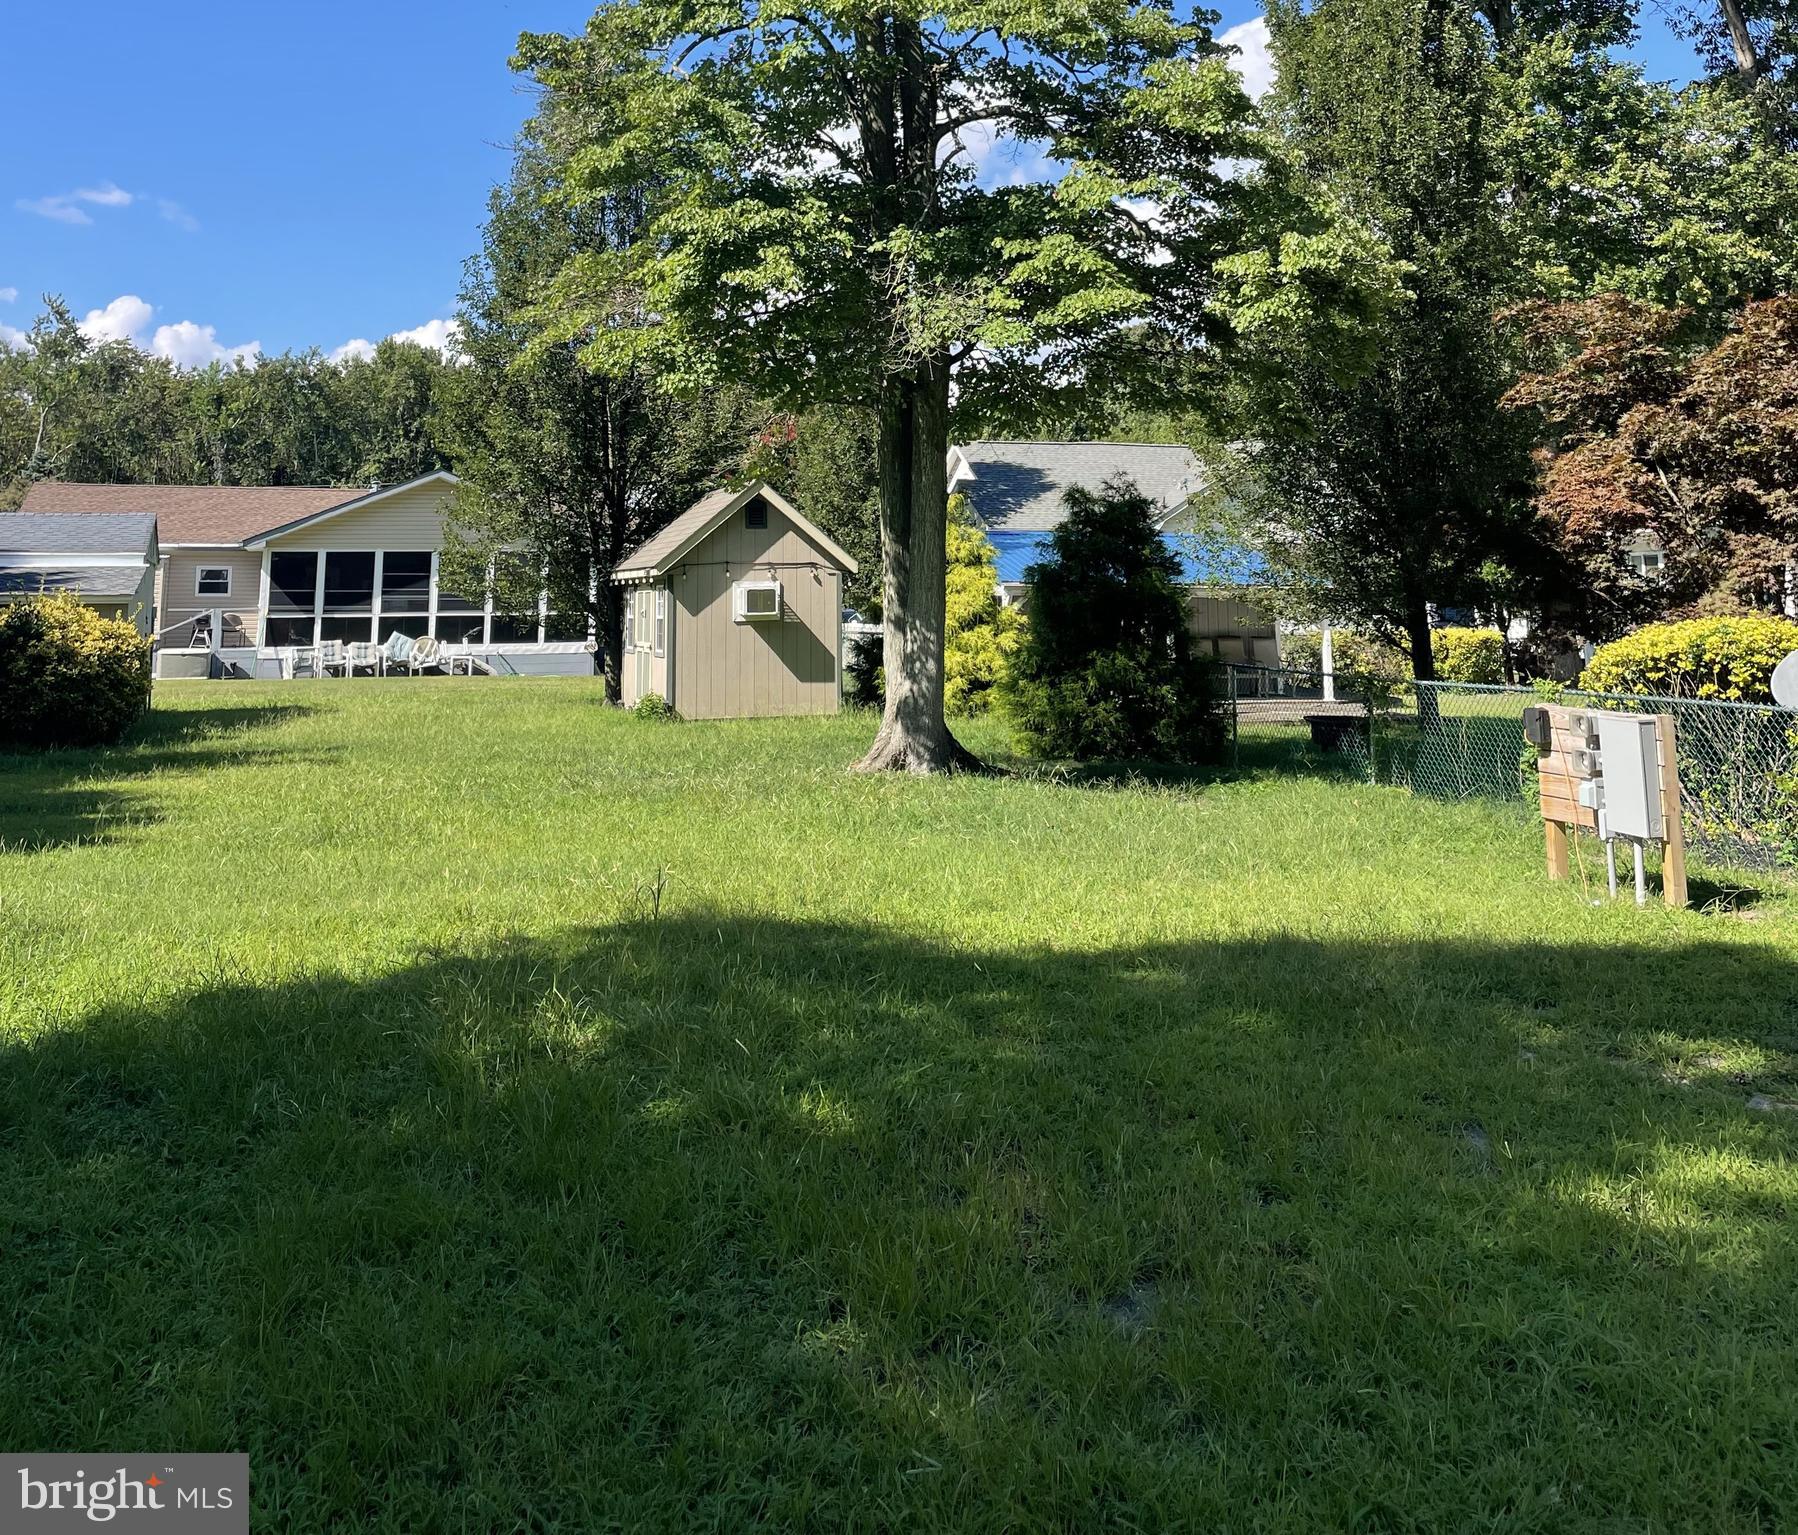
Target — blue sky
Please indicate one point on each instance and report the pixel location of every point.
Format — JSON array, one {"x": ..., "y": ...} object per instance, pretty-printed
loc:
[{"x": 208, "y": 177}]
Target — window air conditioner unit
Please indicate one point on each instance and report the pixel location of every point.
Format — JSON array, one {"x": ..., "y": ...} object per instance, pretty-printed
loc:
[{"x": 755, "y": 601}]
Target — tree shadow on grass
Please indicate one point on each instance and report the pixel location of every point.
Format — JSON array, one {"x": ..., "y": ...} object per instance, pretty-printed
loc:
[
  {"x": 722, "y": 1221},
  {"x": 90, "y": 795}
]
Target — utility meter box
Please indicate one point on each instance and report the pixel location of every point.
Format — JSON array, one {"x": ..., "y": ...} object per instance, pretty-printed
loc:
[{"x": 1631, "y": 762}]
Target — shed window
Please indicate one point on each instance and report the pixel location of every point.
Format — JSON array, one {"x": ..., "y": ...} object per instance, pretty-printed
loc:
[
  {"x": 661, "y": 639},
  {"x": 212, "y": 581},
  {"x": 755, "y": 515},
  {"x": 753, "y": 601}
]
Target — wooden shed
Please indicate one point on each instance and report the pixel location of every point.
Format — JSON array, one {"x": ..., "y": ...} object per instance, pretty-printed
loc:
[{"x": 736, "y": 608}]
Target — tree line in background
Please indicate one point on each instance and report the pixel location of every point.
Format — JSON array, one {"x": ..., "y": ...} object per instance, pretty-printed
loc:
[{"x": 1464, "y": 306}]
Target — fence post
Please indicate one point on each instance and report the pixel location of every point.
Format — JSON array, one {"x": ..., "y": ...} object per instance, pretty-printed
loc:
[
  {"x": 1673, "y": 844},
  {"x": 1235, "y": 725},
  {"x": 1373, "y": 717}
]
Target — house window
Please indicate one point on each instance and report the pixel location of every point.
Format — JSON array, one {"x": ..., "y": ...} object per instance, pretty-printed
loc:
[
  {"x": 287, "y": 629},
  {"x": 1647, "y": 562},
  {"x": 566, "y": 628},
  {"x": 292, "y": 582},
  {"x": 406, "y": 581},
  {"x": 753, "y": 601},
  {"x": 755, "y": 515},
  {"x": 461, "y": 628},
  {"x": 212, "y": 581},
  {"x": 661, "y": 642},
  {"x": 350, "y": 582}
]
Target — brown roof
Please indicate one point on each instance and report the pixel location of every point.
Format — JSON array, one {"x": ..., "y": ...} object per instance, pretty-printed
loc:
[{"x": 195, "y": 514}]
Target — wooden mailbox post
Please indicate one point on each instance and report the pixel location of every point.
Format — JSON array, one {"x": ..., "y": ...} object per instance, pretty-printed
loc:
[{"x": 1569, "y": 764}]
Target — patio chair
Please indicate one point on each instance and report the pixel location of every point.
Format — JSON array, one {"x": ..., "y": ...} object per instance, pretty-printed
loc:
[
  {"x": 296, "y": 659},
  {"x": 331, "y": 657},
  {"x": 364, "y": 654},
  {"x": 427, "y": 652},
  {"x": 396, "y": 653}
]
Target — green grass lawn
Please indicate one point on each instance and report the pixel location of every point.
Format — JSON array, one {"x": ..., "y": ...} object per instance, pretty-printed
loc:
[{"x": 493, "y": 1112}]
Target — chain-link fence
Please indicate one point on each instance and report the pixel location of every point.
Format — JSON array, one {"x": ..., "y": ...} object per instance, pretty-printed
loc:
[{"x": 1738, "y": 763}]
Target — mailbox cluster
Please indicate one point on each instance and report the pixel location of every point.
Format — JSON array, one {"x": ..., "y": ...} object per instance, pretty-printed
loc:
[{"x": 1616, "y": 776}]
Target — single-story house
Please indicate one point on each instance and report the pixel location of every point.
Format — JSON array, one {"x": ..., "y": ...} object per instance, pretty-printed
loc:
[
  {"x": 107, "y": 559},
  {"x": 245, "y": 571},
  {"x": 1016, "y": 490},
  {"x": 736, "y": 608}
]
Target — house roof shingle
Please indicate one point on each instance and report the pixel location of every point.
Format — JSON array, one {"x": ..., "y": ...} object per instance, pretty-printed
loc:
[
  {"x": 1019, "y": 485},
  {"x": 76, "y": 533},
  {"x": 89, "y": 580},
  {"x": 651, "y": 557},
  {"x": 195, "y": 514}
]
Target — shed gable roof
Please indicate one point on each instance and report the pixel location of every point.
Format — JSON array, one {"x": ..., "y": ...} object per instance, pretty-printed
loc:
[{"x": 705, "y": 516}]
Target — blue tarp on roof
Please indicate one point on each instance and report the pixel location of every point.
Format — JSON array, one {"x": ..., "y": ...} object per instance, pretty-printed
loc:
[{"x": 1018, "y": 551}]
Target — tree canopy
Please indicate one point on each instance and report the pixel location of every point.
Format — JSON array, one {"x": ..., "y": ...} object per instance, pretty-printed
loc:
[{"x": 817, "y": 228}]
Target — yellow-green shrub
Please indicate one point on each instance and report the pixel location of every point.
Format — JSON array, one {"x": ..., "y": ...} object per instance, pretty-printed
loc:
[
  {"x": 1700, "y": 658},
  {"x": 979, "y": 636},
  {"x": 1468, "y": 655},
  {"x": 68, "y": 677}
]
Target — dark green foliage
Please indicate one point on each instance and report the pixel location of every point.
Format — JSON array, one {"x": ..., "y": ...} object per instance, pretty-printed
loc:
[
  {"x": 1106, "y": 670},
  {"x": 68, "y": 677},
  {"x": 75, "y": 409}
]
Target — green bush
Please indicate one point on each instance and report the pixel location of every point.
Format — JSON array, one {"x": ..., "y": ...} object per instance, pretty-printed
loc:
[
  {"x": 1105, "y": 669},
  {"x": 1729, "y": 658},
  {"x": 652, "y": 706},
  {"x": 979, "y": 635},
  {"x": 1468, "y": 655},
  {"x": 68, "y": 677},
  {"x": 1362, "y": 662}
]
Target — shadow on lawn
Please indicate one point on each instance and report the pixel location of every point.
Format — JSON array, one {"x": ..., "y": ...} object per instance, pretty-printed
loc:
[
  {"x": 60, "y": 798},
  {"x": 766, "y": 1218}
]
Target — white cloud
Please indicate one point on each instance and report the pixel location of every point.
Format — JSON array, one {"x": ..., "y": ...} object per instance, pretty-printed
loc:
[
  {"x": 12, "y": 336},
  {"x": 124, "y": 319},
  {"x": 443, "y": 336},
  {"x": 1254, "y": 60},
  {"x": 66, "y": 207},
  {"x": 7, "y": 295},
  {"x": 188, "y": 345}
]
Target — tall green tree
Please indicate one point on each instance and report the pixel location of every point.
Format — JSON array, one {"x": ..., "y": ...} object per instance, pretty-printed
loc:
[
  {"x": 569, "y": 464},
  {"x": 817, "y": 228},
  {"x": 1380, "y": 497}
]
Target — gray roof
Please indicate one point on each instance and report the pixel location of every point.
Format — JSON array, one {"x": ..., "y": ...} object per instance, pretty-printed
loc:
[
  {"x": 1019, "y": 485},
  {"x": 654, "y": 555},
  {"x": 88, "y": 580},
  {"x": 653, "y": 551},
  {"x": 76, "y": 533}
]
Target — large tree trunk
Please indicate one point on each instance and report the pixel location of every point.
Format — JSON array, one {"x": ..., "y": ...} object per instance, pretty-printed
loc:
[
  {"x": 914, "y": 498},
  {"x": 611, "y": 641},
  {"x": 1423, "y": 658}
]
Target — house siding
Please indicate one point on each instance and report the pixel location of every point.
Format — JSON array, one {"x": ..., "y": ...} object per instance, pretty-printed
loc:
[
  {"x": 177, "y": 602},
  {"x": 410, "y": 519},
  {"x": 723, "y": 669}
]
